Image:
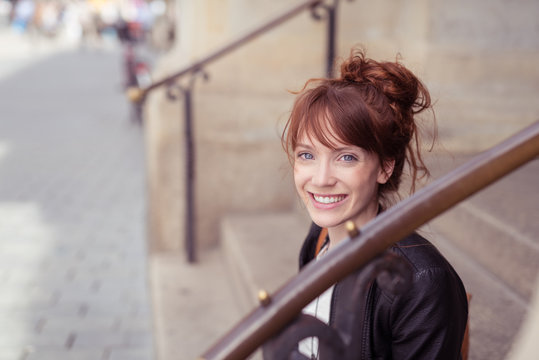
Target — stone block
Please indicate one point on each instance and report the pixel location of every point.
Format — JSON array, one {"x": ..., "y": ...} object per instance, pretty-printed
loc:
[{"x": 250, "y": 249}]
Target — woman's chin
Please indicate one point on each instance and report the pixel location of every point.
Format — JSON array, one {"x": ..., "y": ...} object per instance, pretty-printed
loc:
[{"x": 326, "y": 223}]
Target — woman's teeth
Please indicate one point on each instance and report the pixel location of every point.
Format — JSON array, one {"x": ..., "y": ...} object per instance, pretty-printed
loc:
[{"x": 328, "y": 199}]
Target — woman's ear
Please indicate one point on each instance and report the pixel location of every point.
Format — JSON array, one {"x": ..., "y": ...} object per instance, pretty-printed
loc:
[{"x": 386, "y": 171}]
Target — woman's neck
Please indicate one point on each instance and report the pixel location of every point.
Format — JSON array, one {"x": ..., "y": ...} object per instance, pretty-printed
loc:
[{"x": 338, "y": 233}]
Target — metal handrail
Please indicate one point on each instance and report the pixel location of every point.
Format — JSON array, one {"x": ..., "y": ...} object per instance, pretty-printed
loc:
[
  {"x": 138, "y": 94},
  {"x": 277, "y": 310}
]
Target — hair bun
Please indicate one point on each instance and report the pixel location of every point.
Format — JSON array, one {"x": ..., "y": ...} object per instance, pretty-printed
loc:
[{"x": 400, "y": 86}]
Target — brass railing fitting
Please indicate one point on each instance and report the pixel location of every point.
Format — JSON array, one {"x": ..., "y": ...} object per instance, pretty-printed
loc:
[
  {"x": 352, "y": 229},
  {"x": 135, "y": 94},
  {"x": 264, "y": 298}
]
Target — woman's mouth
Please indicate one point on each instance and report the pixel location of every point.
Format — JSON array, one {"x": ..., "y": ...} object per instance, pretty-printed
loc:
[{"x": 328, "y": 199}]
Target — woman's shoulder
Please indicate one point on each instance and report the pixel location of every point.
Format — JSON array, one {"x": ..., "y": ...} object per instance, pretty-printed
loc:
[
  {"x": 421, "y": 254},
  {"x": 433, "y": 276}
]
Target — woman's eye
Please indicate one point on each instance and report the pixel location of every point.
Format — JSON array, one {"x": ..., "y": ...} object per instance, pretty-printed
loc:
[
  {"x": 305, "y": 156},
  {"x": 348, "y": 158}
]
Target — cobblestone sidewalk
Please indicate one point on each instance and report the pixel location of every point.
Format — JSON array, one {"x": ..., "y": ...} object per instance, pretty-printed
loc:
[{"x": 73, "y": 267}]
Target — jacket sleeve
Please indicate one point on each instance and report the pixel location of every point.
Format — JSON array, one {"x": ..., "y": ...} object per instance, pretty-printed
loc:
[{"x": 428, "y": 321}]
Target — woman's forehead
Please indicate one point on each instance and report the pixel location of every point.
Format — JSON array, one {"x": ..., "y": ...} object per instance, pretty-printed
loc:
[{"x": 327, "y": 138}]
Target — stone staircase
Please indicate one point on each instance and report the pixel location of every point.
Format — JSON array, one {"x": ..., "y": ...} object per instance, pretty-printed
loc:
[{"x": 488, "y": 239}]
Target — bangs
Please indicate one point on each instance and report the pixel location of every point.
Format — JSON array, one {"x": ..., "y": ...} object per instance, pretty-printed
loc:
[
  {"x": 317, "y": 124},
  {"x": 331, "y": 115}
]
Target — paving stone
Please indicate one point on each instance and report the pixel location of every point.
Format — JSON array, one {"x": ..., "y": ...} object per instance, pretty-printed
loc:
[
  {"x": 10, "y": 322},
  {"x": 62, "y": 354},
  {"x": 131, "y": 354},
  {"x": 28, "y": 337},
  {"x": 17, "y": 302},
  {"x": 79, "y": 324},
  {"x": 98, "y": 339},
  {"x": 7, "y": 353},
  {"x": 139, "y": 338}
]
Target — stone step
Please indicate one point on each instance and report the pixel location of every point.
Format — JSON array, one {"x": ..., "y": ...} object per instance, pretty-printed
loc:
[
  {"x": 261, "y": 251},
  {"x": 497, "y": 227},
  {"x": 194, "y": 304},
  {"x": 470, "y": 121}
]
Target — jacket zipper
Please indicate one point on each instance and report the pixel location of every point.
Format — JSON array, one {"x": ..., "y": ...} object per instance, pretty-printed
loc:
[
  {"x": 366, "y": 324},
  {"x": 336, "y": 289}
]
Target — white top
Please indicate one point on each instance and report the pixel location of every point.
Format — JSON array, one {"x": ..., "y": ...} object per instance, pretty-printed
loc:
[{"x": 319, "y": 308}]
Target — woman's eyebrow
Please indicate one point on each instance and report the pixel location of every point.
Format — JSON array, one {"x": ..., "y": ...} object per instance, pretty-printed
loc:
[
  {"x": 305, "y": 146},
  {"x": 348, "y": 148}
]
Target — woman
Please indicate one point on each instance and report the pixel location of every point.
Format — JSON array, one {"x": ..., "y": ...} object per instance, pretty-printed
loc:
[{"x": 349, "y": 140}]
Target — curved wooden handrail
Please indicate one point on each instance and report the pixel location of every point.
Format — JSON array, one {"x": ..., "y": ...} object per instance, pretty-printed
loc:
[
  {"x": 138, "y": 94},
  {"x": 279, "y": 309}
]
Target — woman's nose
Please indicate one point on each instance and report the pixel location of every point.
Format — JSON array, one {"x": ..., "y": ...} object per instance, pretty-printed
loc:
[{"x": 323, "y": 175}]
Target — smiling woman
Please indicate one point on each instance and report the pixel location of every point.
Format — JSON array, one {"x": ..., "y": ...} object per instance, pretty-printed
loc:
[{"x": 349, "y": 139}]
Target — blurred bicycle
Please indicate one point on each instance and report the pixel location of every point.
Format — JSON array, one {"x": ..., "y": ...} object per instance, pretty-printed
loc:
[{"x": 136, "y": 68}]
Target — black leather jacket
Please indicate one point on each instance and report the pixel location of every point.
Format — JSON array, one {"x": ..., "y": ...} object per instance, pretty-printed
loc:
[{"x": 427, "y": 321}]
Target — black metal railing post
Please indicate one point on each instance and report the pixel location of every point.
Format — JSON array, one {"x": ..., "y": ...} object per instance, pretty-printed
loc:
[
  {"x": 331, "y": 35},
  {"x": 189, "y": 178},
  {"x": 331, "y": 30},
  {"x": 190, "y": 202},
  {"x": 332, "y": 22}
]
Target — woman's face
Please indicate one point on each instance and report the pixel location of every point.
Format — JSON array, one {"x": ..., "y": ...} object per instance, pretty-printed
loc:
[{"x": 337, "y": 185}]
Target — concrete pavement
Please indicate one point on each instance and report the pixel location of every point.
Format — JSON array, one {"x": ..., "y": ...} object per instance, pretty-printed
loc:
[{"x": 73, "y": 260}]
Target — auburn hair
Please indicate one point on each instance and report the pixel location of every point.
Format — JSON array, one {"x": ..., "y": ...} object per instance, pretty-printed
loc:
[{"x": 372, "y": 105}]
